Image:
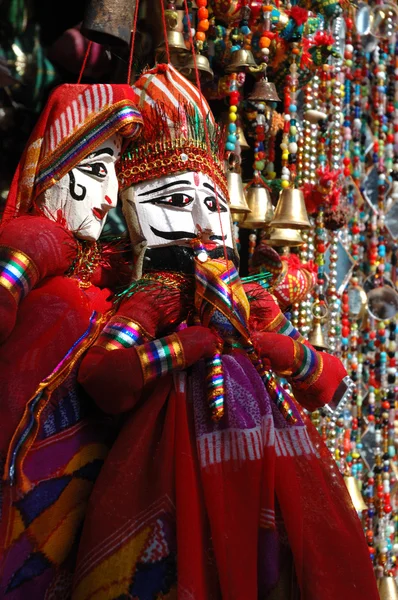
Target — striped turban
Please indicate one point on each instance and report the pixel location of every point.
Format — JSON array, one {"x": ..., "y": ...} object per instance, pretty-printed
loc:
[
  {"x": 75, "y": 121},
  {"x": 179, "y": 131}
]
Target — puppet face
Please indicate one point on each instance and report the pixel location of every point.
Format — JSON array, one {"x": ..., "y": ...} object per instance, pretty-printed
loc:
[
  {"x": 82, "y": 199},
  {"x": 177, "y": 208}
]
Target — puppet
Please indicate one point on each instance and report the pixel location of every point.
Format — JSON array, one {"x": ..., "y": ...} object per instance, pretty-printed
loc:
[
  {"x": 55, "y": 286},
  {"x": 217, "y": 482}
]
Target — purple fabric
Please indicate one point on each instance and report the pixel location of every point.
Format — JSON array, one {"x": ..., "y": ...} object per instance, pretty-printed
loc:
[{"x": 246, "y": 399}]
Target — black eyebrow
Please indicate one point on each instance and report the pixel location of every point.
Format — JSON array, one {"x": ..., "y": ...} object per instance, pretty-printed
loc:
[
  {"x": 102, "y": 151},
  {"x": 163, "y": 187},
  {"x": 214, "y": 191}
]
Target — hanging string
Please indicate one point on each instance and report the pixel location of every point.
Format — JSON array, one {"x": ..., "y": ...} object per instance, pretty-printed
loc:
[
  {"x": 90, "y": 43},
  {"x": 166, "y": 41},
  {"x": 133, "y": 32},
  {"x": 204, "y": 114}
]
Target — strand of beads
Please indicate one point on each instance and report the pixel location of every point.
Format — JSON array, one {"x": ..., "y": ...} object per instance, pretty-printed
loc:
[
  {"x": 234, "y": 97},
  {"x": 202, "y": 26}
]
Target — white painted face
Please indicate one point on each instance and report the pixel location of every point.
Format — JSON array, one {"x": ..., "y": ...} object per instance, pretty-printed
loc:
[
  {"x": 174, "y": 209},
  {"x": 82, "y": 199}
]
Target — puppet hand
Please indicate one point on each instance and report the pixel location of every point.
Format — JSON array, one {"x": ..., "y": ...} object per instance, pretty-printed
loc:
[
  {"x": 276, "y": 351},
  {"x": 198, "y": 342},
  {"x": 155, "y": 307}
]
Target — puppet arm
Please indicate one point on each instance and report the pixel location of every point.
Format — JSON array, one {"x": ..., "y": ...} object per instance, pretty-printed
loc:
[
  {"x": 114, "y": 376},
  {"x": 316, "y": 377},
  {"x": 31, "y": 248}
]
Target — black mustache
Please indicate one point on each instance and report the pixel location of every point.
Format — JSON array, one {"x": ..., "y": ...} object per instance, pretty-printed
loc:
[
  {"x": 177, "y": 235},
  {"x": 173, "y": 235}
]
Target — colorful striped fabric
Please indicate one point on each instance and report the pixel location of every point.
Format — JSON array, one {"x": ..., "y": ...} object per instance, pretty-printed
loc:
[
  {"x": 18, "y": 273},
  {"x": 219, "y": 287},
  {"x": 75, "y": 121},
  {"x": 307, "y": 366},
  {"x": 280, "y": 324},
  {"x": 121, "y": 332},
  {"x": 160, "y": 357}
]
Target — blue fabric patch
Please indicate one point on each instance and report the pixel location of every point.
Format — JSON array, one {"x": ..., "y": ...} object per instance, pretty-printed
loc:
[
  {"x": 152, "y": 579},
  {"x": 90, "y": 471},
  {"x": 41, "y": 497},
  {"x": 34, "y": 565}
]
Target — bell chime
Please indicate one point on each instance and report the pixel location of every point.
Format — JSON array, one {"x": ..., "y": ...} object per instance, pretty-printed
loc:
[
  {"x": 264, "y": 91},
  {"x": 241, "y": 59},
  {"x": 355, "y": 493},
  {"x": 187, "y": 68},
  {"x": 109, "y": 25},
  {"x": 388, "y": 589},
  {"x": 279, "y": 237},
  {"x": 175, "y": 38},
  {"x": 290, "y": 211},
  {"x": 260, "y": 205},
  {"x": 238, "y": 203},
  {"x": 316, "y": 337}
]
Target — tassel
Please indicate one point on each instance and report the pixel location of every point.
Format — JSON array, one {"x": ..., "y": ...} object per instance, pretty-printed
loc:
[{"x": 215, "y": 386}]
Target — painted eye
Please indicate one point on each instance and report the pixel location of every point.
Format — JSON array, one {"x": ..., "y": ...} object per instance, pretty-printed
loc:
[
  {"x": 211, "y": 204},
  {"x": 176, "y": 200},
  {"x": 97, "y": 169}
]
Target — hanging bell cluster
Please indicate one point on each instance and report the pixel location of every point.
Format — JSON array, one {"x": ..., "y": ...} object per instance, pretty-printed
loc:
[
  {"x": 261, "y": 209},
  {"x": 290, "y": 211}
]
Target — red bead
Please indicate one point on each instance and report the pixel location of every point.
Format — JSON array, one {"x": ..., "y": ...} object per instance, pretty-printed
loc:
[{"x": 203, "y": 13}]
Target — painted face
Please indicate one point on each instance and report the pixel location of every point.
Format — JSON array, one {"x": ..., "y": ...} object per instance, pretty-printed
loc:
[
  {"x": 179, "y": 207},
  {"x": 82, "y": 199}
]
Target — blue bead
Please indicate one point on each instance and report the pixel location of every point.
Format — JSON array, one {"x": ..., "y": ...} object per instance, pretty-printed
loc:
[
  {"x": 293, "y": 108},
  {"x": 232, "y": 127},
  {"x": 232, "y": 138},
  {"x": 230, "y": 146}
]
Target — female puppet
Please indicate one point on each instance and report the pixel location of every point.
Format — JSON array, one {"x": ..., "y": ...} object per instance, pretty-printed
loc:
[
  {"x": 55, "y": 283},
  {"x": 217, "y": 481}
]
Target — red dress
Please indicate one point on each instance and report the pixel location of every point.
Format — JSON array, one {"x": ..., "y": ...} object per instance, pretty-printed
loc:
[
  {"x": 53, "y": 438},
  {"x": 189, "y": 508}
]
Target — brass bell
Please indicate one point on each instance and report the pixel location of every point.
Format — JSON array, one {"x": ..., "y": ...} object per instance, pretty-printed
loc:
[
  {"x": 241, "y": 60},
  {"x": 264, "y": 91},
  {"x": 238, "y": 217},
  {"x": 202, "y": 64},
  {"x": 388, "y": 589},
  {"x": 290, "y": 212},
  {"x": 242, "y": 139},
  {"x": 109, "y": 23},
  {"x": 316, "y": 337},
  {"x": 176, "y": 44},
  {"x": 260, "y": 205},
  {"x": 238, "y": 203},
  {"x": 284, "y": 237},
  {"x": 355, "y": 493}
]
